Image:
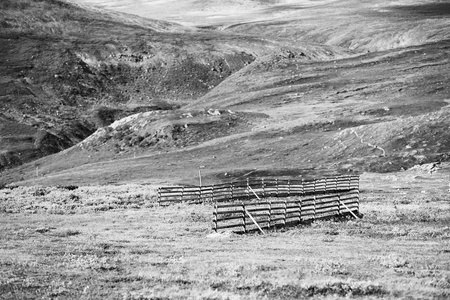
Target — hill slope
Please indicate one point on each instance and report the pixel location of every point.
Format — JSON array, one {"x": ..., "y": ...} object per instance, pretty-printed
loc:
[
  {"x": 338, "y": 87},
  {"x": 66, "y": 70}
]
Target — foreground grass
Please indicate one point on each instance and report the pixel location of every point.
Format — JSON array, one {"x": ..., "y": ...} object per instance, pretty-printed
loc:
[{"x": 400, "y": 249}]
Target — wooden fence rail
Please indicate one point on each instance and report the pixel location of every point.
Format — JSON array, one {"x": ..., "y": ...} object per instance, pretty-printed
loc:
[
  {"x": 275, "y": 213},
  {"x": 262, "y": 187}
]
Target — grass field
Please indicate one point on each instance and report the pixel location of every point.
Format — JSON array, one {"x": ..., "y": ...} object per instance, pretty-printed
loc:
[{"x": 115, "y": 242}]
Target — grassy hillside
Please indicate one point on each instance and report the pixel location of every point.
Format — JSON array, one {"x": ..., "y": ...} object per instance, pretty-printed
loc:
[
  {"x": 335, "y": 86},
  {"x": 66, "y": 70}
]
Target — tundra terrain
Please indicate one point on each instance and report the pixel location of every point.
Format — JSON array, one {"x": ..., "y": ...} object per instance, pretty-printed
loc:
[
  {"x": 103, "y": 101},
  {"x": 292, "y": 87},
  {"x": 116, "y": 242}
]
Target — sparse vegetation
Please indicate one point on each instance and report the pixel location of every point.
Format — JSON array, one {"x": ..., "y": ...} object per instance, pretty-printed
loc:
[
  {"x": 327, "y": 99},
  {"x": 172, "y": 252},
  {"x": 70, "y": 70},
  {"x": 60, "y": 200},
  {"x": 270, "y": 88}
]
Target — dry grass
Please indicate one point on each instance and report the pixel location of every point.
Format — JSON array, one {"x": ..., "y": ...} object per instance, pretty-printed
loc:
[
  {"x": 400, "y": 249},
  {"x": 69, "y": 200}
]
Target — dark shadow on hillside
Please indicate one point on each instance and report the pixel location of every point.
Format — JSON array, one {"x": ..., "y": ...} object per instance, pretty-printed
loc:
[{"x": 430, "y": 10}]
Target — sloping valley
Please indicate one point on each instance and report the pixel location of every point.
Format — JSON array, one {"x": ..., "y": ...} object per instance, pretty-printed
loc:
[{"x": 332, "y": 86}]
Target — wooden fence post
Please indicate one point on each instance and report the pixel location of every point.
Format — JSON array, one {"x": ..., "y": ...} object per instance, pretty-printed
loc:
[
  {"x": 289, "y": 188},
  {"x": 358, "y": 193},
  {"x": 349, "y": 181},
  {"x": 314, "y": 206},
  {"x": 339, "y": 205},
  {"x": 215, "y": 217},
  {"x": 300, "y": 210},
  {"x": 270, "y": 214},
  {"x": 285, "y": 213},
  {"x": 248, "y": 190},
  {"x": 276, "y": 184},
  {"x": 303, "y": 187},
  {"x": 263, "y": 187},
  {"x": 243, "y": 217}
]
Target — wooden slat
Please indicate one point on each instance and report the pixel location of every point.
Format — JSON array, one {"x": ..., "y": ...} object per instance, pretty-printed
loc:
[
  {"x": 256, "y": 209},
  {"x": 228, "y": 218},
  {"x": 226, "y": 212},
  {"x": 250, "y": 223},
  {"x": 227, "y": 205},
  {"x": 228, "y": 226}
]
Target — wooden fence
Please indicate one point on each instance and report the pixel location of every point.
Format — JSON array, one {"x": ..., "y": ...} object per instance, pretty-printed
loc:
[
  {"x": 262, "y": 187},
  {"x": 242, "y": 217}
]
